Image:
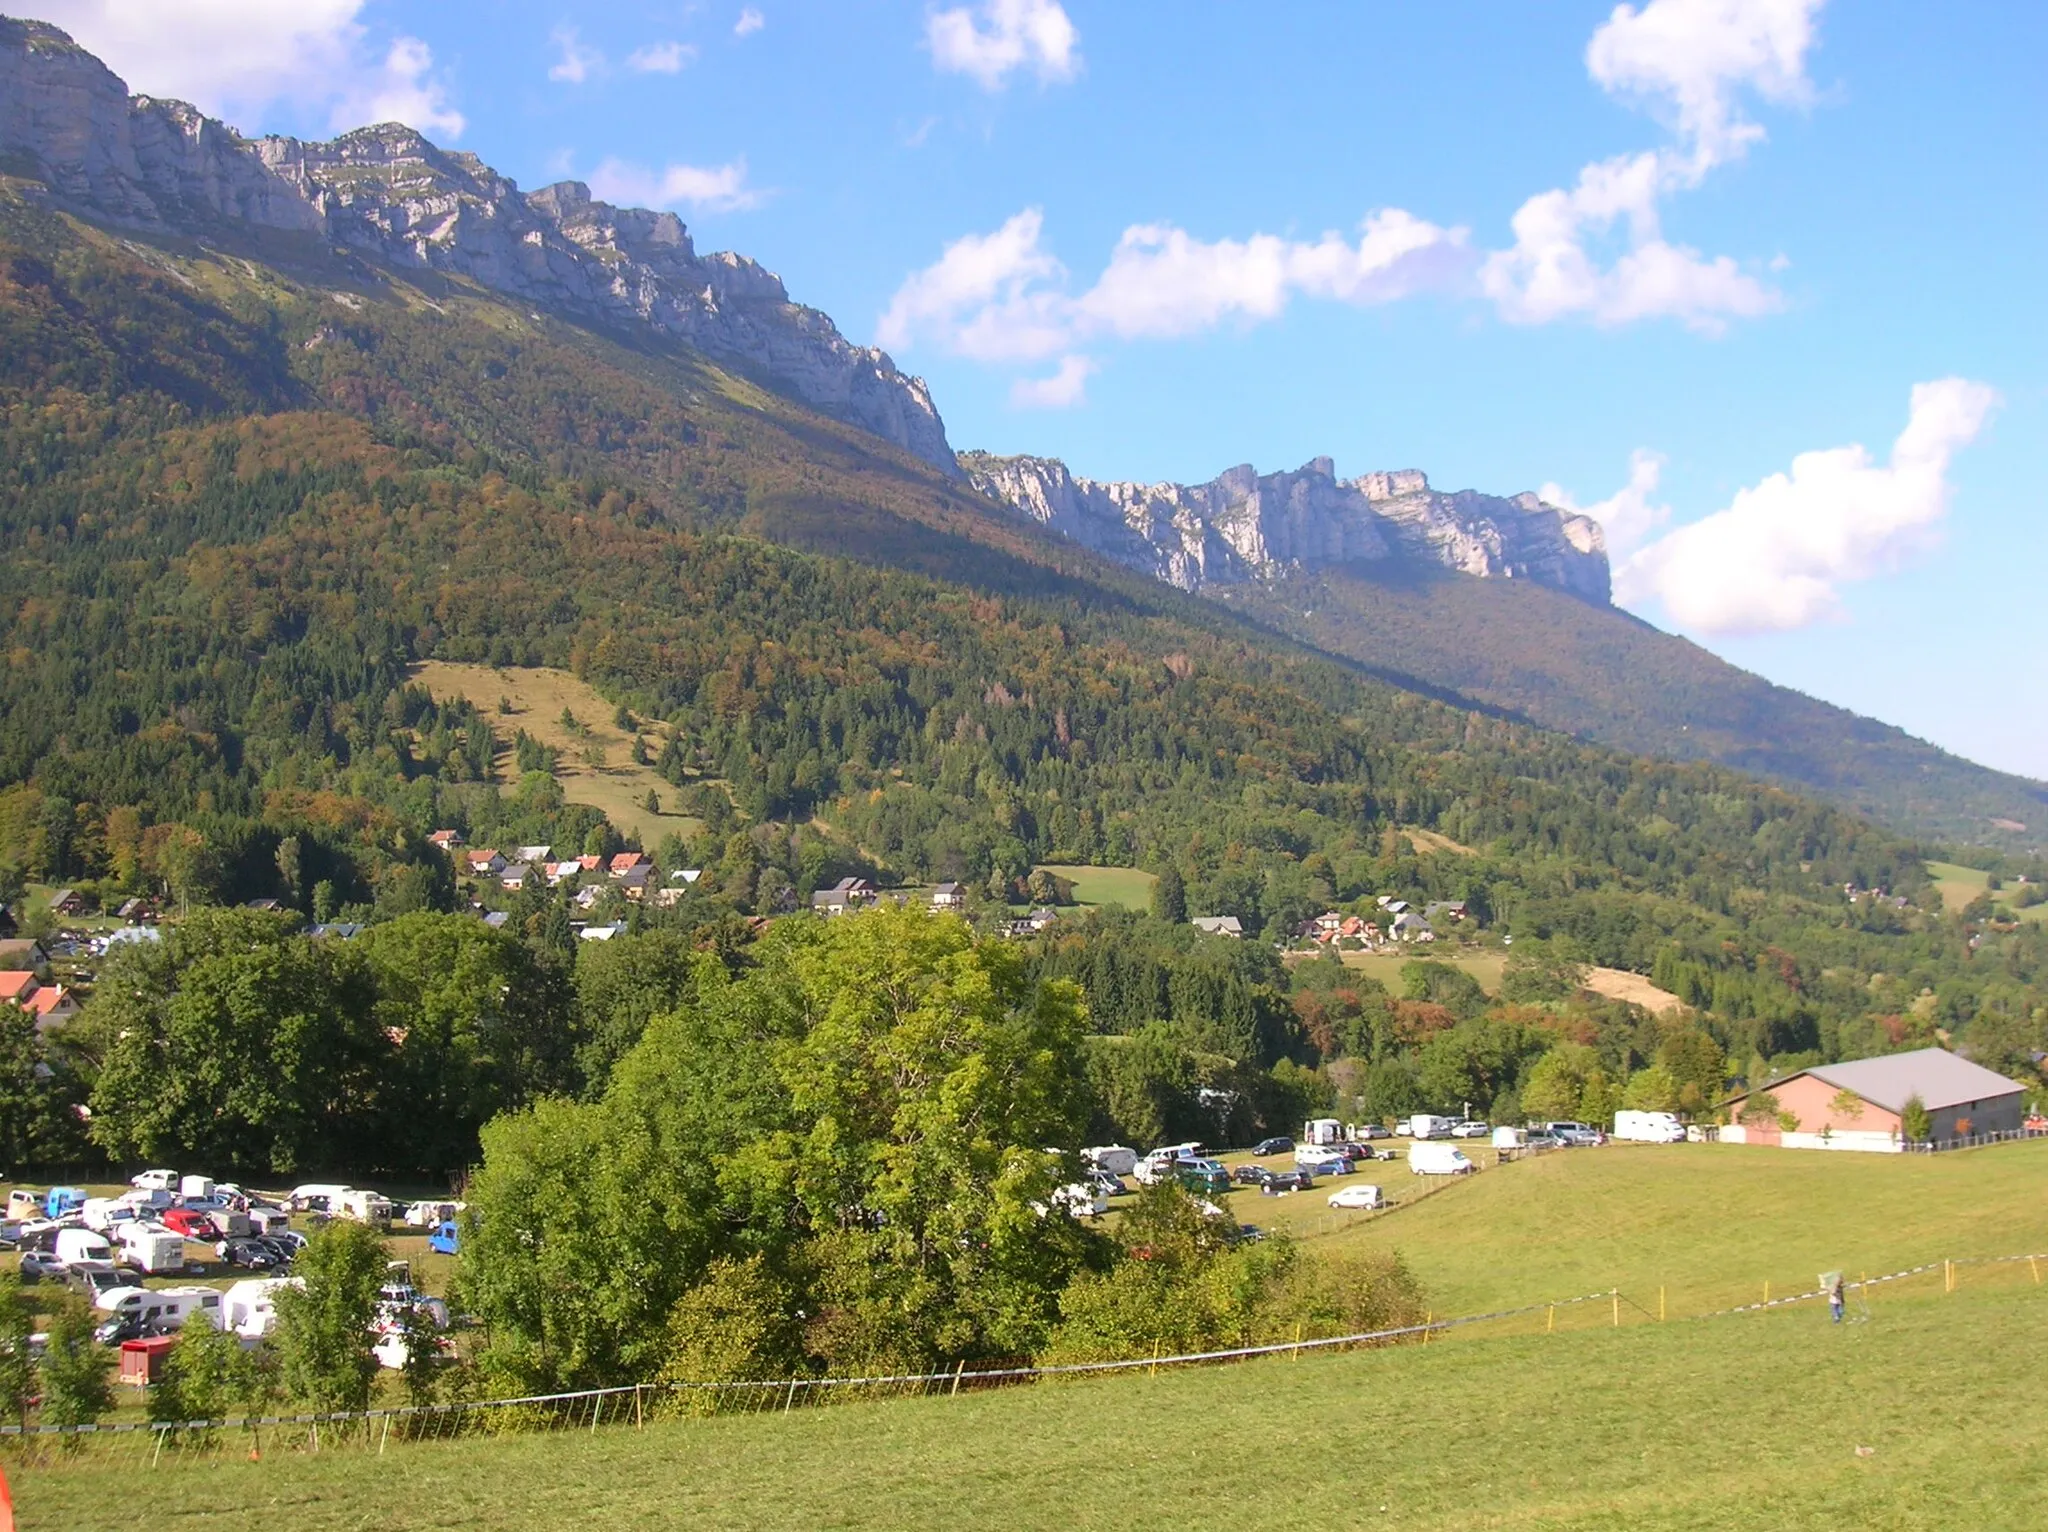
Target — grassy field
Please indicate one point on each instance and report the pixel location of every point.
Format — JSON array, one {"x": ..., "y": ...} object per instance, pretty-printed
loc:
[
  {"x": 613, "y": 783},
  {"x": 1127, "y": 886},
  {"x": 1959, "y": 885},
  {"x": 1923, "y": 1414},
  {"x": 1487, "y": 963}
]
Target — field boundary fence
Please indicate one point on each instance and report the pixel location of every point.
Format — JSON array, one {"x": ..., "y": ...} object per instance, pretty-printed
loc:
[{"x": 162, "y": 1443}]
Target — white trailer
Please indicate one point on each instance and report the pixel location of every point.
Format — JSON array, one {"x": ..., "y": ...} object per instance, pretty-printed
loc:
[
  {"x": 1113, "y": 1158},
  {"x": 195, "y": 1188},
  {"x": 152, "y": 1247},
  {"x": 1649, "y": 1127},
  {"x": 363, "y": 1207},
  {"x": 1427, "y": 1125}
]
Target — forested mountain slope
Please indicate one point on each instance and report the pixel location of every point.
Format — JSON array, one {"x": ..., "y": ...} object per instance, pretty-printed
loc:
[{"x": 1597, "y": 672}]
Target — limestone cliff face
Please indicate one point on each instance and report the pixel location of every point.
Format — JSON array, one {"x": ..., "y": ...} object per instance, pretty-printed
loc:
[
  {"x": 68, "y": 121},
  {"x": 1244, "y": 525}
]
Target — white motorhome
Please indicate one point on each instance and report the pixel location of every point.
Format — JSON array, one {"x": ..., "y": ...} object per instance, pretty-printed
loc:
[
  {"x": 429, "y": 1215},
  {"x": 167, "y": 1308},
  {"x": 1113, "y": 1158},
  {"x": 152, "y": 1247},
  {"x": 363, "y": 1207},
  {"x": 1427, "y": 1125},
  {"x": 1649, "y": 1127},
  {"x": 317, "y": 1196},
  {"x": 102, "y": 1213},
  {"x": 1425, "y": 1159},
  {"x": 249, "y": 1308},
  {"x": 82, "y": 1245}
]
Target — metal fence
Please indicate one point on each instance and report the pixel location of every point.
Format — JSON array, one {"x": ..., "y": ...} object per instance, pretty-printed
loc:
[{"x": 163, "y": 1443}]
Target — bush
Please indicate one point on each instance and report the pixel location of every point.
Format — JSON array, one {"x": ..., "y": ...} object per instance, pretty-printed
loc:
[{"x": 76, "y": 1388}]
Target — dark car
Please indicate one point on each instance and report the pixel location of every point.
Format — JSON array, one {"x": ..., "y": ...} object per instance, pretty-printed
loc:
[
  {"x": 1288, "y": 1181},
  {"x": 1252, "y": 1175},
  {"x": 254, "y": 1254},
  {"x": 1537, "y": 1138},
  {"x": 1266, "y": 1146}
]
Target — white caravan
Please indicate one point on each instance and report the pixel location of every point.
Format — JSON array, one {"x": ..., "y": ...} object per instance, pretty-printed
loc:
[
  {"x": 151, "y": 1246},
  {"x": 1649, "y": 1127}
]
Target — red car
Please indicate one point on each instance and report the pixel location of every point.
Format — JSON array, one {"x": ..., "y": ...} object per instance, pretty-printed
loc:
[{"x": 189, "y": 1222}]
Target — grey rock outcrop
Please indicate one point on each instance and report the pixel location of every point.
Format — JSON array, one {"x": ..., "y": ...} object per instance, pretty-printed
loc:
[
  {"x": 389, "y": 193},
  {"x": 1243, "y": 525}
]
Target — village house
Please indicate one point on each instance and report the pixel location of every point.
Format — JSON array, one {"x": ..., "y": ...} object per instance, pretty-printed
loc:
[
  {"x": 634, "y": 881},
  {"x": 1410, "y": 927},
  {"x": 484, "y": 863},
  {"x": 52, "y": 1006},
  {"x": 1218, "y": 925},
  {"x": 1861, "y": 1104},
  {"x": 67, "y": 901},
  {"x": 626, "y": 861},
  {"x": 513, "y": 875},
  {"x": 16, "y": 985},
  {"x": 24, "y": 952},
  {"x": 948, "y": 896},
  {"x": 846, "y": 894},
  {"x": 497, "y": 920},
  {"x": 534, "y": 854},
  {"x": 448, "y": 841},
  {"x": 1032, "y": 923}
]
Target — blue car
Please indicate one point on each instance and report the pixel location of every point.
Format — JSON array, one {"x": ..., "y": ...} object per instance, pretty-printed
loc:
[{"x": 444, "y": 1239}]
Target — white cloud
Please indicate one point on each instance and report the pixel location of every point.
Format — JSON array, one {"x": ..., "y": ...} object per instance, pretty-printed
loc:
[
  {"x": 1692, "y": 61},
  {"x": 750, "y": 22},
  {"x": 992, "y": 40},
  {"x": 577, "y": 61},
  {"x": 1067, "y": 387},
  {"x": 1626, "y": 517},
  {"x": 1003, "y": 297},
  {"x": 1777, "y": 556},
  {"x": 666, "y": 57},
  {"x": 711, "y": 189},
  {"x": 404, "y": 92},
  {"x": 231, "y": 57}
]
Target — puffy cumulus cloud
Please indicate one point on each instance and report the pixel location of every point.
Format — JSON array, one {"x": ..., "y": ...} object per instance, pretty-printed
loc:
[
  {"x": 1596, "y": 250},
  {"x": 1627, "y": 516},
  {"x": 710, "y": 189},
  {"x": 1065, "y": 388},
  {"x": 750, "y": 22},
  {"x": 993, "y": 40},
  {"x": 1778, "y": 555},
  {"x": 575, "y": 60},
  {"x": 667, "y": 57},
  {"x": 1003, "y": 297},
  {"x": 1694, "y": 59},
  {"x": 403, "y": 91},
  {"x": 232, "y": 56}
]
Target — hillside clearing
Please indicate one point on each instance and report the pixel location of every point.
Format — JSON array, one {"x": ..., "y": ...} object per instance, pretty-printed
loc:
[
  {"x": 1430, "y": 840},
  {"x": 1620, "y": 984},
  {"x": 1959, "y": 885},
  {"x": 1483, "y": 963},
  {"x": 595, "y": 767},
  {"x": 1126, "y": 886}
]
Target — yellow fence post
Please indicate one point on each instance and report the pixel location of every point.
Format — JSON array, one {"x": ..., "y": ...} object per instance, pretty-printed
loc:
[
  {"x": 1550, "y": 1321},
  {"x": 1297, "y": 1343},
  {"x": 1767, "y": 1290},
  {"x": 1614, "y": 1296},
  {"x": 1660, "y": 1305},
  {"x": 1428, "y": 1319},
  {"x": 2034, "y": 1266}
]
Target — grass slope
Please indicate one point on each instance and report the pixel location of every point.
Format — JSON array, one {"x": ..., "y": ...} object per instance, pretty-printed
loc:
[
  {"x": 1130, "y": 887},
  {"x": 614, "y": 784},
  {"x": 1599, "y": 673}
]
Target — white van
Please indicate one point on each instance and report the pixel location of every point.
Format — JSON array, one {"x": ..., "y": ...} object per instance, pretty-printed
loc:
[
  {"x": 1649, "y": 1127},
  {"x": 1113, "y": 1158},
  {"x": 429, "y": 1215},
  {"x": 152, "y": 1247},
  {"x": 1438, "y": 1160},
  {"x": 1427, "y": 1125},
  {"x": 82, "y": 1245},
  {"x": 1510, "y": 1138},
  {"x": 249, "y": 1308},
  {"x": 155, "y": 1181}
]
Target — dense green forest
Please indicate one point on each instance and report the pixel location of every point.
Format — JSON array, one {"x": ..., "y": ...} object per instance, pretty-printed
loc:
[{"x": 239, "y": 509}]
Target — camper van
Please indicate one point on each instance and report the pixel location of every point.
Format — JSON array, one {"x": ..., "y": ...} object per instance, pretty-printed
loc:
[
  {"x": 1649, "y": 1127},
  {"x": 1322, "y": 1130},
  {"x": 102, "y": 1213},
  {"x": 152, "y": 1247},
  {"x": 170, "y": 1308},
  {"x": 317, "y": 1197},
  {"x": 74, "y": 1245},
  {"x": 363, "y": 1207},
  {"x": 249, "y": 1309},
  {"x": 1426, "y": 1125},
  {"x": 59, "y": 1200},
  {"x": 1113, "y": 1158},
  {"x": 1425, "y": 1159},
  {"x": 425, "y": 1215}
]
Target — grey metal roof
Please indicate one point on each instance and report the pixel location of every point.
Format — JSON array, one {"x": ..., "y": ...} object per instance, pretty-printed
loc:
[{"x": 1939, "y": 1078}]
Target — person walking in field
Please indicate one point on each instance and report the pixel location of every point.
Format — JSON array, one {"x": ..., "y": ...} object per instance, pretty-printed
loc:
[{"x": 1835, "y": 1296}]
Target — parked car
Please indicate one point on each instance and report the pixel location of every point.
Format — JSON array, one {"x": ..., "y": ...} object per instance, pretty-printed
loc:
[
  {"x": 1470, "y": 1128},
  {"x": 1335, "y": 1165},
  {"x": 1541, "y": 1138},
  {"x": 1266, "y": 1146},
  {"x": 38, "y": 1264},
  {"x": 1251, "y": 1175},
  {"x": 1201, "y": 1175},
  {"x": 252, "y": 1254},
  {"x": 193, "y": 1223},
  {"x": 1101, "y": 1180},
  {"x": 446, "y": 1239},
  {"x": 1372, "y": 1130},
  {"x": 1288, "y": 1181},
  {"x": 1576, "y": 1135},
  {"x": 1361, "y": 1195},
  {"x": 95, "y": 1277}
]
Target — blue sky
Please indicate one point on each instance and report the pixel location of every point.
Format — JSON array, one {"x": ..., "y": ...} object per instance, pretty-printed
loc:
[{"x": 1715, "y": 244}]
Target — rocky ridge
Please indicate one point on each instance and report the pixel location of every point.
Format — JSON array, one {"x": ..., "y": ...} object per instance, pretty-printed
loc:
[
  {"x": 1243, "y": 525},
  {"x": 68, "y": 121}
]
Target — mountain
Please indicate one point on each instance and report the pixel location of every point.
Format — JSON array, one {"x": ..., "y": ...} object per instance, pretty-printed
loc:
[
  {"x": 1243, "y": 525},
  {"x": 67, "y": 121}
]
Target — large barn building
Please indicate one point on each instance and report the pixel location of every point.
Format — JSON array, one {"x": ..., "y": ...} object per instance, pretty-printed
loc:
[{"x": 1860, "y": 1104}]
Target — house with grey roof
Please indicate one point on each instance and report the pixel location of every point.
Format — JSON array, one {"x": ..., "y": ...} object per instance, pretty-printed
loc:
[{"x": 1861, "y": 1104}]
